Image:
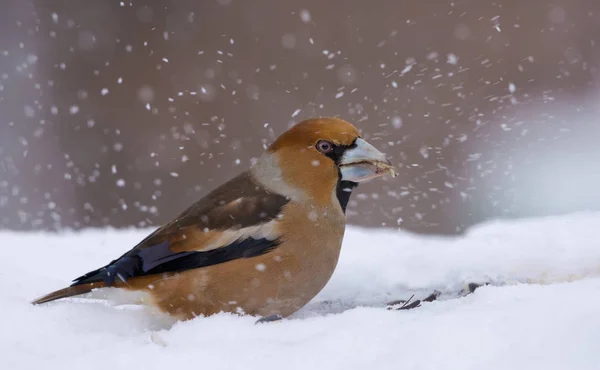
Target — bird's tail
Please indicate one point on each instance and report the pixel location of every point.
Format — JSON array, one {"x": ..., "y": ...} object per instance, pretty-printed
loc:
[{"x": 69, "y": 292}]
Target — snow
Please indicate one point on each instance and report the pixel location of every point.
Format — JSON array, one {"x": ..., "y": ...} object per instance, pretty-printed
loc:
[{"x": 539, "y": 312}]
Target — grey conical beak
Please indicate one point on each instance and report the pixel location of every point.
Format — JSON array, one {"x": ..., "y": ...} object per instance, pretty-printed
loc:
[{"x": 364, "y": 162}]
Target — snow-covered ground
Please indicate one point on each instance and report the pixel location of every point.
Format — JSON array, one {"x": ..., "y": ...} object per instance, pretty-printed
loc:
[{"x": 541, "y": 311}]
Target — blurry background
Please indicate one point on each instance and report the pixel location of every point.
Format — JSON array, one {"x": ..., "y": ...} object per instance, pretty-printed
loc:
[{"x": 123, "y": 113}]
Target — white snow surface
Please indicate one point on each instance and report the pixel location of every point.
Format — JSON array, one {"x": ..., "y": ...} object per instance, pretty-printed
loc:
[{"x": 541, "y": 310}]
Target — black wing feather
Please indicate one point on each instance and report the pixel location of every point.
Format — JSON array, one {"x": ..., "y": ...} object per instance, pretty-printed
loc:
[
  {"x": 240, "y": 203},
  {"x": 246, "y": 248},
  {"x": 159, "y": 259}
]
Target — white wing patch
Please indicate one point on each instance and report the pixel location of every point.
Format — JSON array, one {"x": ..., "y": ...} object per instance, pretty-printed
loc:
[{"x": 268, "y": 230}]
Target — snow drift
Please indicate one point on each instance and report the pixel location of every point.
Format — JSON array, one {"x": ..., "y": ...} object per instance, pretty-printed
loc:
[{"x": 540, "y": 310}]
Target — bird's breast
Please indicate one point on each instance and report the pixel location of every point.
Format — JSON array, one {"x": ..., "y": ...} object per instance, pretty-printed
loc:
[{"x": 310, "y": 249}]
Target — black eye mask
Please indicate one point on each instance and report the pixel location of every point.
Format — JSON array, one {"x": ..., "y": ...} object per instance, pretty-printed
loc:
[{"x": 338, "y": 151}]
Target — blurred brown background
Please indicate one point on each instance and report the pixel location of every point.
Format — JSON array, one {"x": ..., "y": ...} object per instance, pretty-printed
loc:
[{"x": 123, "y": 113}]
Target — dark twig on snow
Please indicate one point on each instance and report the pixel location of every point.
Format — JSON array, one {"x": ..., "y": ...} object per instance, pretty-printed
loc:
[
  {"x": 432, "y": 297},
  {"x": 473, "y": 286},
  {"x": 406, "y": 305}
]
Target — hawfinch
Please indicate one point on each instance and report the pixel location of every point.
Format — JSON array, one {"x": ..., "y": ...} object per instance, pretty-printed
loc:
[{"x": 264, "y": 243}]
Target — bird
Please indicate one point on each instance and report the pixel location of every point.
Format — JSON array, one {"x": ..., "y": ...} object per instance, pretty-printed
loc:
[{"x": 263, "y": 244}]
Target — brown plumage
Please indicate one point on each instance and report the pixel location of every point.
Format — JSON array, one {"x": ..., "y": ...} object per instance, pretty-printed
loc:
[
  {"x": 69, "y": 292},
  {"x": 264, "y": 243}
]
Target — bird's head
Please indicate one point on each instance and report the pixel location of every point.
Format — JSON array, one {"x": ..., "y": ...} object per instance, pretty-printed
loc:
[{"x": 317, "y": 156}]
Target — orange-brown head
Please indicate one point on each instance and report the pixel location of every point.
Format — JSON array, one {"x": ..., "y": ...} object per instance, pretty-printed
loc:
[{"x": 313, "y": 159}]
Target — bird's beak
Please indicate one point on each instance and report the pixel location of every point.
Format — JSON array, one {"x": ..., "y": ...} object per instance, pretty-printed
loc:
[{"x": 363, "y": 162}]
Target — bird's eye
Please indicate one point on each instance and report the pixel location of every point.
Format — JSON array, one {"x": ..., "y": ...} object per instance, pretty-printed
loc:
[{"x": 324, "y": 146}]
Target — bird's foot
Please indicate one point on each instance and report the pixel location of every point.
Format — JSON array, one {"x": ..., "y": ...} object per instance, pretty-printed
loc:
[{"x": 269, "y": 318}]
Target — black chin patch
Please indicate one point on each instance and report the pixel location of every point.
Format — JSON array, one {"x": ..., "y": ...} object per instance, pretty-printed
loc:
[
  {"x": 343, "y": 188},
  {"x": 343, "y": 191}
]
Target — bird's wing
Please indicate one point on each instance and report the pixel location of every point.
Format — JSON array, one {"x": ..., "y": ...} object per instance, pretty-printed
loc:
[{"x": 236, "y": 220}]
